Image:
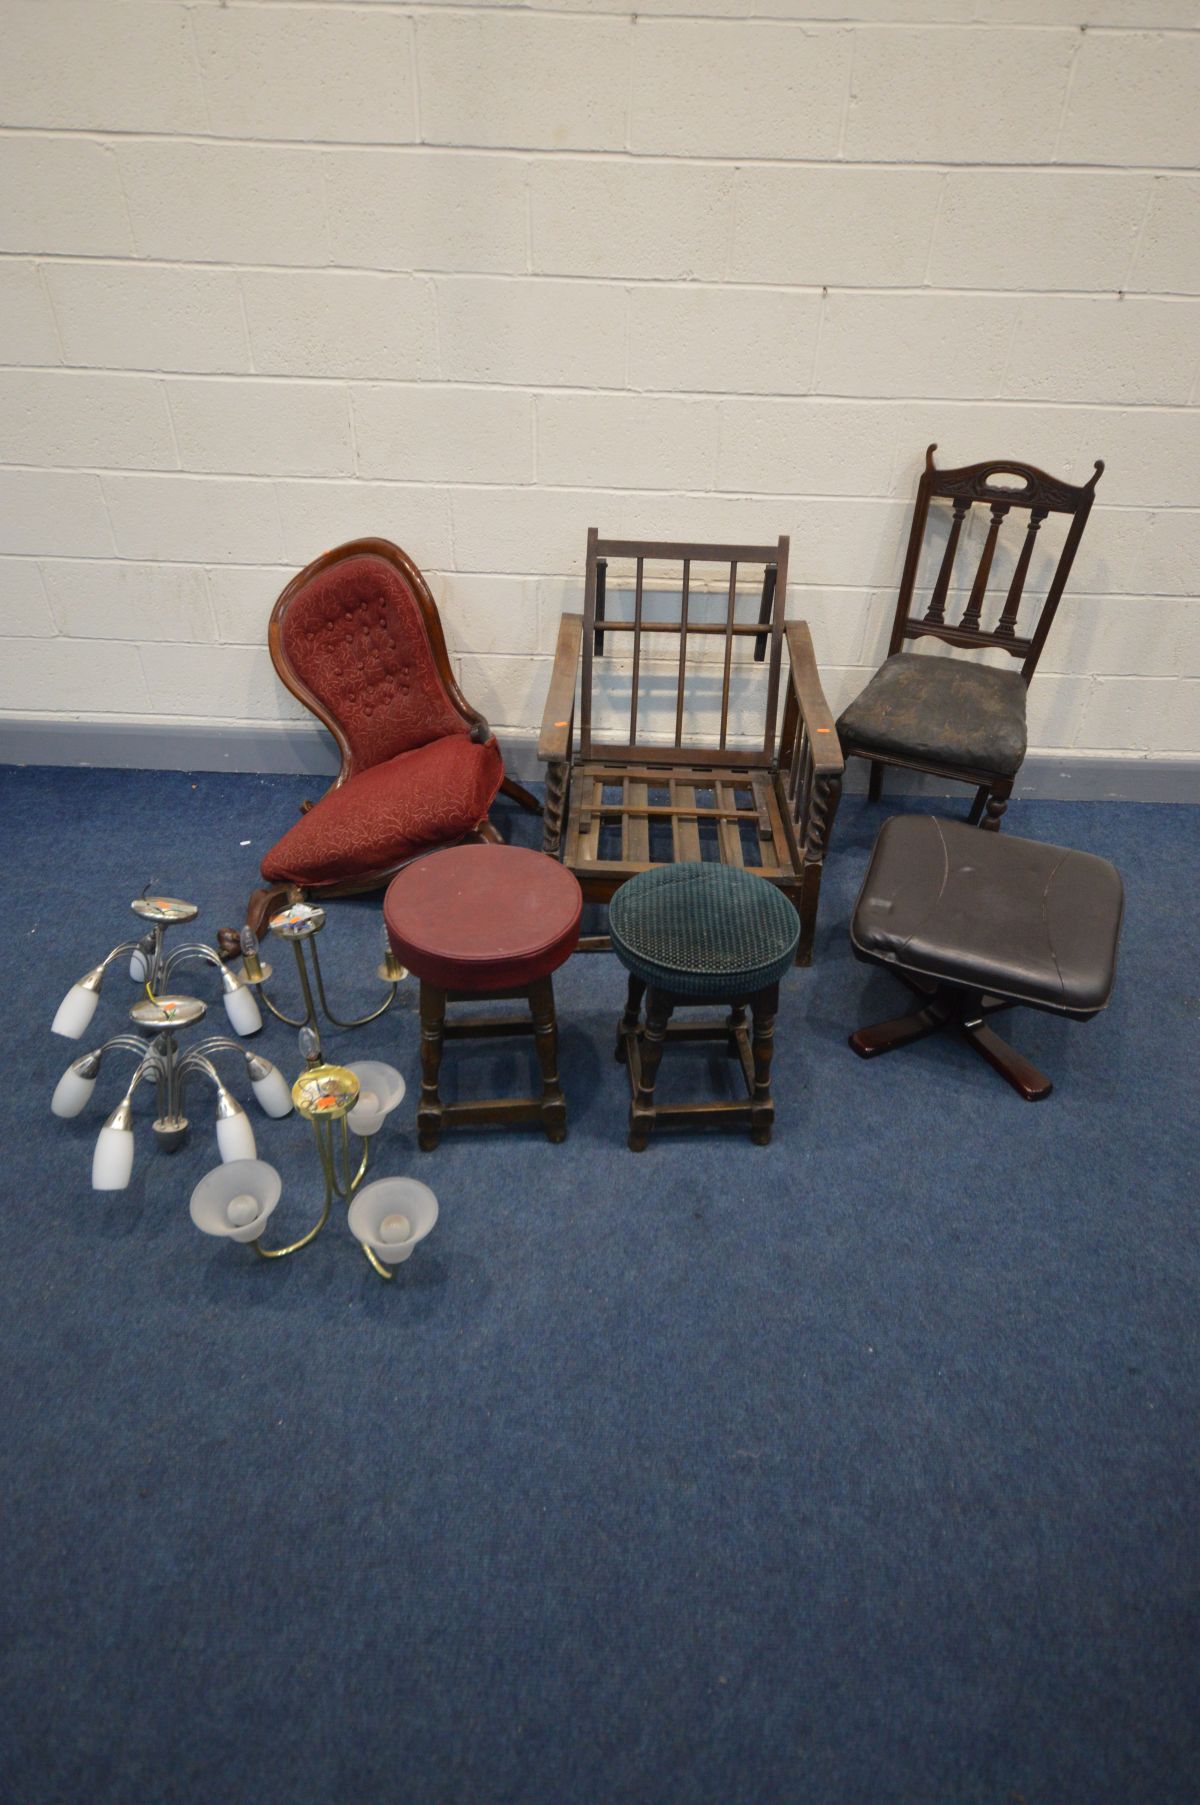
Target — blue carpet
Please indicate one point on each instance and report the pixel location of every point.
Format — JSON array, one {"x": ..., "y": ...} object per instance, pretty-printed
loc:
[{"x": 858, "y": 1468}]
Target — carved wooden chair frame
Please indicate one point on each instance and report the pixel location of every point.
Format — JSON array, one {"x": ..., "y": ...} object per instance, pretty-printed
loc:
[
  {"x": 264, "y": 901},
  {"x": 965, "y": 487},
  {"x": 793, "y": 782}
]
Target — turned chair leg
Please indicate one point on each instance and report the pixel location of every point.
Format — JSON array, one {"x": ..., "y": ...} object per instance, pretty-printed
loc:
[
  {"x": 737, "y": 1019},
  {"x": 641, "y": 1112},
  {"x": 977, "y": 807},
  {"x": 554, "y": 1104},
  {"x": 429, "y": 1109},
  {"x": 875, "y": 781},
  {"x": 528, "y": 801},
  {"x": 628, "y": 1023},
  {"x": 997, "y": 802},
  {"x": 763, "y": 1007}
]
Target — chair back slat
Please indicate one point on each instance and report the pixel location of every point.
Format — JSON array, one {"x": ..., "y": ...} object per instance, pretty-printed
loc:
[
  {"x": 601, "y": 625},
  {"x": 637, "y": 652},
  {"x": 936, "y": 611},
  {"x": 683, "y": 633},
  {"x": 1004, "y": 486},
  {"x": 601, "y": 575},
  {"x": 764, "y": 612},
  {"x": 732, "y": 604},
  {"x": 1006, "y": 626},
  {"x": 974, "y": 607}
]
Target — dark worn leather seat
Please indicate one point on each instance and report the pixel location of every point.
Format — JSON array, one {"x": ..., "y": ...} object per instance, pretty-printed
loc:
[
  {"x": 1010, "y": 918},
  {"x": 947, "y": 711}
]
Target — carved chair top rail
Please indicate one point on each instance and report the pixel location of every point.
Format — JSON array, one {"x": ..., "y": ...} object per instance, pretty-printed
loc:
[
  {"x": 973, "y": 482},
  {"x": 1031, "y": 491}
]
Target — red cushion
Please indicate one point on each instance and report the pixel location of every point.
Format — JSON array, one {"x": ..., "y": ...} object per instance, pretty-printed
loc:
[
  {"x": 356, "y": 635},
  {"x": 376, "y": 820},
  {"x": 479, "y": 918}
]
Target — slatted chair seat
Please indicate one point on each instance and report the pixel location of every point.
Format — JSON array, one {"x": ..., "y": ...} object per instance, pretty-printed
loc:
[{"x": 618, "y": 807}]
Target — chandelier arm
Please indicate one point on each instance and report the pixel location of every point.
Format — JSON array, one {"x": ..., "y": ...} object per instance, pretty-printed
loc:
[
  {"x": 289, "y": 1021},
  {"x": 349, "y": 1185},
  {"x": 126, "y": 946},
  {"x": 128, "y": 1043},
  {"x": 215, "y": 1043},
  {"x": 279, "y": 1253},
  {"x": 358, "y": 1021}
]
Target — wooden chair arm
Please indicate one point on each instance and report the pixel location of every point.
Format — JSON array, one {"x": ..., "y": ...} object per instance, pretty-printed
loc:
[
  {"x": 554, "y": 741},
  {"x": 805, "y": 682}
]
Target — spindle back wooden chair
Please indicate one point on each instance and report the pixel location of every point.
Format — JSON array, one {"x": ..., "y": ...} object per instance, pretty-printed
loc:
[
  {"x": 895, "y": 723},
  {"x": 766, "y": 807}
]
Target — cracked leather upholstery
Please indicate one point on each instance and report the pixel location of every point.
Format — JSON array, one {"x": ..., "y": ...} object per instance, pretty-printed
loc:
[{"x": 1010, "y": 917}]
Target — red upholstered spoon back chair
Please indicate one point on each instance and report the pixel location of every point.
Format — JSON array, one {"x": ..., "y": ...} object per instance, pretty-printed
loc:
[{"x": 357, "y": 637}]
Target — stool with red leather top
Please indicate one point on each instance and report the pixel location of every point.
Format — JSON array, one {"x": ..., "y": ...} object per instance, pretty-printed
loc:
[{"x": 476, "y": 922}]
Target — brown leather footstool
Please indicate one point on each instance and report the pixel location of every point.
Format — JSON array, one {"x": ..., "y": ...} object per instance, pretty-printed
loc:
[
  {"x": 975, "y": 923},
  {"x": 477, "y": 922}
]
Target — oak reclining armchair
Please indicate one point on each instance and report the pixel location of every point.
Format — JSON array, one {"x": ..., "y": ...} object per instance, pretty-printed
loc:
[{"x": 617, "y": 807}]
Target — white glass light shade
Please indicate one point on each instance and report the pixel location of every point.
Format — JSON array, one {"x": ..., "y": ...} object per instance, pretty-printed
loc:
[
  {"x": 380, "y": 1089},
  {"x": 76, "y": 1011},
  {"x": 72, "y": 1093},
  {"x": 224, "y": 1195},
  {"x": 112, "y": 1161},
  {"x": 139, "y": 966},
  {"x": 235, "y": 1137},
  {"x": 380, "y": 1211},
  {"x": 273, "y": 1092},
  {"x": 241, "y": 1006}
]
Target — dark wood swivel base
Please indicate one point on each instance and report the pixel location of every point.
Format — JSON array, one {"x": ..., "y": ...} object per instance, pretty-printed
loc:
[
  {"x": 640, "y": 1045},
  {"x": 965, "y": 1012},
  {"x": 550, "y": 1109}
]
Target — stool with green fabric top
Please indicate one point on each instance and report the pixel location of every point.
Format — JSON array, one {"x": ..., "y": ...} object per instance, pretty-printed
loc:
[{"x": 694, "y": 934}]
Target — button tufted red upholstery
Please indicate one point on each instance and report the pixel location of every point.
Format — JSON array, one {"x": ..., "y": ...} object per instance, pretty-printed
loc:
[
  {"x": 356, "y": 636},
  {"x": 376, "y": 820},
  {"x": 478, "y": 918}
]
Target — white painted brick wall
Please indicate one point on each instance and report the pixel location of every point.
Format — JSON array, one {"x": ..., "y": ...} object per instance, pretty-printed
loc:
[{"x": 478, "y": 274}]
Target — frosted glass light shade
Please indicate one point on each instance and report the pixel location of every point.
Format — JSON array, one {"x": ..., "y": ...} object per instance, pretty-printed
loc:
[
  {"x": 139, "y": 966},
  {"x": 241, "y": 1006},
  {"x": 235, "y": 1137},
  {"x": 72, "y": 1093},
  {"x": 75, "y": 1011},
  {"x": 112, "y": 1161},
  {"x": 273, "y": 1092},
  {"x": 379, "y": 1082},
  {"x": 230, "y": 1184},
  {"x": 392, "y": 1197}
]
